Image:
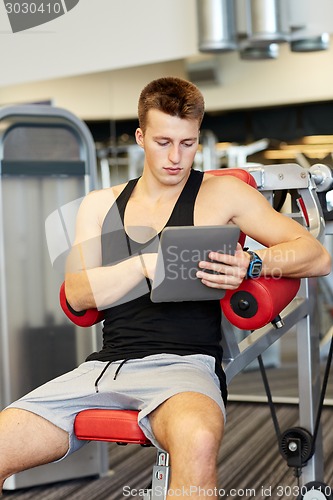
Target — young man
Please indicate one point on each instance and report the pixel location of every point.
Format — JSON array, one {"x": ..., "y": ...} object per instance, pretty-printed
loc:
[{"x": 163, "y": 359}]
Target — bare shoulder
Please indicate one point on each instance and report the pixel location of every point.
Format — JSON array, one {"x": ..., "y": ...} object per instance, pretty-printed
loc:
[
  {"x": 230, "y": 196},
  {"x": 223, "y": 185},
  {"x": 101, "y": 197},
  {"x": 96, "y": 204}
]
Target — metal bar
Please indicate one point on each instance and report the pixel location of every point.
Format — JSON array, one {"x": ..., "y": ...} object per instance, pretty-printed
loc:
[
  {"x": 161, "y": 473},
  {"x": 309, "y": 381},
  {"x": 42, "y": 168},
  {"x": 229, "y": 342},
  {"x": 259, "y": 340}
]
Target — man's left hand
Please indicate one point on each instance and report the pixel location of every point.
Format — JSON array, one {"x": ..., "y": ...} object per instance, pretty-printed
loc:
[{"x": 224, "y": 271}]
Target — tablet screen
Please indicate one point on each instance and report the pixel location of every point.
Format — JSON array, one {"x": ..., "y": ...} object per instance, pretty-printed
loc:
[{"x": 180, "y": 250}]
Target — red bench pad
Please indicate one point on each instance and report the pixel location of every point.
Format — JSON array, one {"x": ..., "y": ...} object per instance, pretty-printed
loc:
[{"x": 119, "y": 426}]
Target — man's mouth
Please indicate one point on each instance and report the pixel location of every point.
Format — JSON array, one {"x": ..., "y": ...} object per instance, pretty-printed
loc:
[{"x": 172, "y": 170}]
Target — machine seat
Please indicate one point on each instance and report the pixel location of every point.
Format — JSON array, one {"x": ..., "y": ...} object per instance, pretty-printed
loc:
[{"x": 116, "y": 426}]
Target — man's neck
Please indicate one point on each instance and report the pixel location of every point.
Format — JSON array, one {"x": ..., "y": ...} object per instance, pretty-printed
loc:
[{"x": 150, "y": 187}]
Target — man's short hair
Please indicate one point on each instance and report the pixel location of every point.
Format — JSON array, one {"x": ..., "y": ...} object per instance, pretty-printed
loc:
[{"x": 173, "y": 96}]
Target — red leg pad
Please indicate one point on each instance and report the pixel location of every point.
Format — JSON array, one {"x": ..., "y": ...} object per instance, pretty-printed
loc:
[
  {"x": 257, "y": 302},
  {"x": 119, "y": 426},
  {"x": 84, "y": 318}
]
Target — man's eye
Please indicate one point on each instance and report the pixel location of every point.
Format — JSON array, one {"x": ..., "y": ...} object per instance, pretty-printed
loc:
[
  {"x": 188, "y": 144},
  {"x": 162, "y": 143}
]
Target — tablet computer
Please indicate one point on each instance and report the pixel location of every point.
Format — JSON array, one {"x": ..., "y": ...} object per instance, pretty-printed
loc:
[{"x": 180, "y": 250}]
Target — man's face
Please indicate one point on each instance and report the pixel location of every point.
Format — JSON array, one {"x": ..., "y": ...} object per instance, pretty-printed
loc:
[{"x": 170, "y": 144}]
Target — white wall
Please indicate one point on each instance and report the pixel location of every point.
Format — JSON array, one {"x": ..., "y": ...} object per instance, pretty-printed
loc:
[
  {"x": 126, "y": 43},
  {"x": 292, "y": 78},
  {"x": 105, "y": 95},
  {"x": 98, "y": 35}
]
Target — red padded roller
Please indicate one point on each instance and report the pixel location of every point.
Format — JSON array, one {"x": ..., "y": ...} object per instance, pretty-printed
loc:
[
  {"x": 241, "y": 174},
  {"x": 117, "y": 426},
  {"x": 83, "y": 318},
  {"x": 257, "y": 302}
]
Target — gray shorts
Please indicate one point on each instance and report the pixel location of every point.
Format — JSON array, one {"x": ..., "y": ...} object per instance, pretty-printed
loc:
[{"x": 141, "y": 384}]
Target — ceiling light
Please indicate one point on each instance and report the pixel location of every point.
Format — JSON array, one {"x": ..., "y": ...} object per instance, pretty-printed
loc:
[
  {"x": 259, "y": 52},
  {"x": 311, "y": 44}
]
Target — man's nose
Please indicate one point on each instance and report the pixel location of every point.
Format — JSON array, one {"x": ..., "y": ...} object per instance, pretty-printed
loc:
[{"x": 174, "y": 154}]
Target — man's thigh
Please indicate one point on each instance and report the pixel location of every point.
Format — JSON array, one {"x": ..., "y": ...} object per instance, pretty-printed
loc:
[{"x": 28, "y": 440}]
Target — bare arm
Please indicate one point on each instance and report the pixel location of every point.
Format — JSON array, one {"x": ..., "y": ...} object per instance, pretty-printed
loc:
[
  {"x": 290, "y": 251},
  {"x": 88, "y": 284}
]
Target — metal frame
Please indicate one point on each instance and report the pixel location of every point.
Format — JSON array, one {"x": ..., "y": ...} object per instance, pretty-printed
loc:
[
  {"x": 300, "y": 313},
  {"x": 238, "y": 356},
  {"x": 48, "y": 116},
  {"x": 160, "y": 478}
]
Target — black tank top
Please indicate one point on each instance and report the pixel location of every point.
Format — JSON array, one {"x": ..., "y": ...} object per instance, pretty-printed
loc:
[{"x": 138, "y": 327}]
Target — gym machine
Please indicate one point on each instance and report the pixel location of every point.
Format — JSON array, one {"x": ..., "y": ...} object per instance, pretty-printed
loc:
[
  {"x": 300, "y": 446},
  {"x": 47, "y": 160}
]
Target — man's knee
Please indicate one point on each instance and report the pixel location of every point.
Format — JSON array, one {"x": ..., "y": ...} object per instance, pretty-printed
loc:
[
  {"x": 189, "y": 421},
  {"x": 202, "y": 435}
]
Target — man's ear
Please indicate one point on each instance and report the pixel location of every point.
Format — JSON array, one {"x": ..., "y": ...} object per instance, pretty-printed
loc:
[{"x": 139, "y": 137}]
